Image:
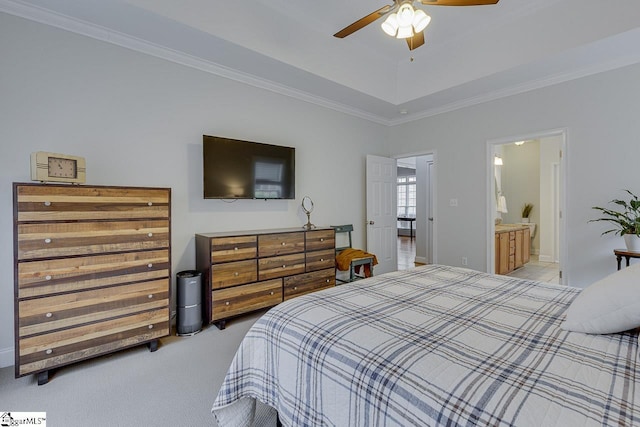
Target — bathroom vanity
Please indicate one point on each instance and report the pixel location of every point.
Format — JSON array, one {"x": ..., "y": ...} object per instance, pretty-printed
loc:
[{"x": 513, "y": 247}]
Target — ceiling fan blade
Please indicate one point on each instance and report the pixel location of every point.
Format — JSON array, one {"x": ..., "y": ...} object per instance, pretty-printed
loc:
[
  {"x": 363, "y": 22},
  {"x": 416, "y": 41},
  {"x": 458, "y": 2}
]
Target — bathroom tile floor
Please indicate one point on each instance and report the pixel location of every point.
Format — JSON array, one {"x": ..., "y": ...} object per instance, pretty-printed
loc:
[{"x": 535, "y": 270}]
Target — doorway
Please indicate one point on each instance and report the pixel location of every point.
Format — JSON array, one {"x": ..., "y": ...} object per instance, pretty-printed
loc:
[
  {"x": 529, "y": 170},
  {"x": 415, "y": 207}
]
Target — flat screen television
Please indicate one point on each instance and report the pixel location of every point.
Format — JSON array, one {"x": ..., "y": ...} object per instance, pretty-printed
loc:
[{"x": 235, "y": 169}]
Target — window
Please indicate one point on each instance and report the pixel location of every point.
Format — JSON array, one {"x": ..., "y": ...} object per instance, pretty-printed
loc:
[
  {"x": 406, "y": 197},
  {"x": 269, "y": 176}
]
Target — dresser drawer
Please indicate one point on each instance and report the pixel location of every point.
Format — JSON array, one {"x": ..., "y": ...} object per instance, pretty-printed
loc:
[
  {"x": 50, "y": 240},
  {"x": 319, "y": 260},
  {"x": 44, "y": 277},
  {"x": 68, "y": 310},
  {"x": 233, "y": 273},
  {"x": 280, "y": 244},
  {"x": 224, "y": 249},
  {"x": 41, "y": 352},
  {"x": 71, "y": 203},
  {"x": 242, "y": 299},
  {"x": 320, "y": 239},
  {"x": 280, "y": 266},
  {"x": 308, "y": 282}
]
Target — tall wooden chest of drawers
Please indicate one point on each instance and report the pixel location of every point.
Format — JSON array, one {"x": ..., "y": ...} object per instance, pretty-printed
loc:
[
  {"x": 247, "y": 271},
  {"x": 92, "y": 272}
]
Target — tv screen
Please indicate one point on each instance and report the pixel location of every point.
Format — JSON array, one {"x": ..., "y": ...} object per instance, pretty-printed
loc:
[{"x": 235, "y": 169}]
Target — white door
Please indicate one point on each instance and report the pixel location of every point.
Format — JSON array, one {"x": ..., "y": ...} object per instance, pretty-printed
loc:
[{"x": 382, "y": 215}]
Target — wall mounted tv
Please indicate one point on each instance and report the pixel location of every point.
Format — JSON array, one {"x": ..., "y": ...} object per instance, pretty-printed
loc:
[{"x": 235, "y": 169}]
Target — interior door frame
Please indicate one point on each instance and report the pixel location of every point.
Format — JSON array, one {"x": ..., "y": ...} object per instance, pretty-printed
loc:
[
  {"x": 434, "y": 198},
  {"x": 489, "y": 166}
]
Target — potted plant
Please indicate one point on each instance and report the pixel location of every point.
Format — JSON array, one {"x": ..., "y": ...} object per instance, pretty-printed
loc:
[
  {"x": 626, "y": 220},
  {"x": 526, "y": 211}
]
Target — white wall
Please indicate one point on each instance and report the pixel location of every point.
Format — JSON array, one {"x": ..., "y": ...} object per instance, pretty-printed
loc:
[
  {"x": 139, "y": 120},
  {"x": 600, "y": 114}
]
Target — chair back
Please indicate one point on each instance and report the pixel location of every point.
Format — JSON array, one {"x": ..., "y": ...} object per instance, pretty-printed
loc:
[{"x": 347, "y": 228}]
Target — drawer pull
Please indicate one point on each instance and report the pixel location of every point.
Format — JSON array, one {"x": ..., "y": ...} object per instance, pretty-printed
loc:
[
  {"x": 321, "y": 259},
  {"x": 150, "y": 204},
  {"x": 47, "y": 203},
  {"x": 149, "y": 265},
  {"x": 226, "y": 303},
  {"x": 328, "y": 280},
  {"x": 235, "y": 249},
  {"x": 283, "y": 243},
  {"x": 47, "y": 277},
  {"x": 321, "y": 239},
  {"x": 150, "y": 234},
  {"x": 271, "y": 293},
  {"x": 295, "y": 288},
  {"x": 150, "y": 296},
  {"x": 150, "y": 326},
  {"x": 49, "y": 351},
  {"x": 236, "y": 273},
  {"x": 48, "y": 315},
  {"x": 284, "y": 266},
  {"x": 47, "y": 240}
]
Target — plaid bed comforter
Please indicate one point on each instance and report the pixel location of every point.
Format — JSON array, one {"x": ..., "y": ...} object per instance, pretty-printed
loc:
[{"x": 432, "y": 346}]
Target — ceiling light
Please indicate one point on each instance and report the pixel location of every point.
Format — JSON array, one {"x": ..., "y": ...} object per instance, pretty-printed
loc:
[
  {"x": 405, "y": 15},
  {"x": 390, "y": 25},
  {"x": 404, "y": 32},
  {"x": 406, "y": 22},
  {"x": 420, "y": 20},
  {"x": 519, "y": 142}
]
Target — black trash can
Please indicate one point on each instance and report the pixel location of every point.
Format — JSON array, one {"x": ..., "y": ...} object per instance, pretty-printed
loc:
[{"x": 189, "y": 296}]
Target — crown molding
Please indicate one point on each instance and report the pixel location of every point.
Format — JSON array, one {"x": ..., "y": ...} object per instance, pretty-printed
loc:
[
  {"x": 67, "y": 23},
  {"x": 531, "y": 85}
]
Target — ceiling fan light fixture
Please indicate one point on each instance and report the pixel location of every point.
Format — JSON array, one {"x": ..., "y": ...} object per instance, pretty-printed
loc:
[
  {"x": 405, "y": 32},
  {"x": 390, "y": 25},
  {"x": 405, "y": 14},
  {"x": 420, "y": 20}
]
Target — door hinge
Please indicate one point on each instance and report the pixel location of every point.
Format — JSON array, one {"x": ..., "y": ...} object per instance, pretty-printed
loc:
[
  {"x": 560, "y": 153},
  {"x": 560, "y": 274}
]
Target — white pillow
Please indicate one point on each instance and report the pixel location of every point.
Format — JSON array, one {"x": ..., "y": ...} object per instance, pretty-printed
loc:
[{"x": 608, "y": 306}]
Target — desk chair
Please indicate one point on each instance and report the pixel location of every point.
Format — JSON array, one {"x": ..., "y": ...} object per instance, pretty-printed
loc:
[{"x": 356, "y": 258}]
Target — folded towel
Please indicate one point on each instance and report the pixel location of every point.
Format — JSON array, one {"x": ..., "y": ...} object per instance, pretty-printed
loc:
[
  {"x": 344, "y": 258},
  {"x": 502, "y": 204}
]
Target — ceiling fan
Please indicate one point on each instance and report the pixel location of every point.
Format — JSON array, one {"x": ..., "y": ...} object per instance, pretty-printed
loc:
[{"x": 405, "y": 22}]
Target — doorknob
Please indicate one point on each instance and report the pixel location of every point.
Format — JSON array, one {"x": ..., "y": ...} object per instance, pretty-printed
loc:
[
  {"x": 371, "y": 222},
  {"x": 431, "y": 219}
]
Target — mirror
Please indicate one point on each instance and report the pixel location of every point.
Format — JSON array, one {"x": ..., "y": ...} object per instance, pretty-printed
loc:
[{"x": 307, "y": 207}]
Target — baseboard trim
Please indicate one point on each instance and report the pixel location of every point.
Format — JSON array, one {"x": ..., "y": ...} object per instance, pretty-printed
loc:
[
  {"x": 7, "y": 357},
  {"x": 545, "y": 258},
  {"x": 420, "y": 260}
]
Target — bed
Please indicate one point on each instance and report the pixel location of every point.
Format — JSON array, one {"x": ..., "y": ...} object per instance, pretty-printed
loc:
[{"x": 432, "y": 346}]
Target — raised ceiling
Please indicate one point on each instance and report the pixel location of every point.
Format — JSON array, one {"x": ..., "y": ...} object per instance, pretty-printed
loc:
[{"x": 472, "y": 54}]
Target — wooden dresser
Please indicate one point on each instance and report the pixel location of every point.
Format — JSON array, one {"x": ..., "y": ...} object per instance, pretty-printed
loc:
[
  {"x": 249, "y": 270},
  {"x": 92, "y": 272}
]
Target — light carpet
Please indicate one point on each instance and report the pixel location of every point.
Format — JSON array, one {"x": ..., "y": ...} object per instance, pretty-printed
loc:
[{"x": 174, "y": 386}]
